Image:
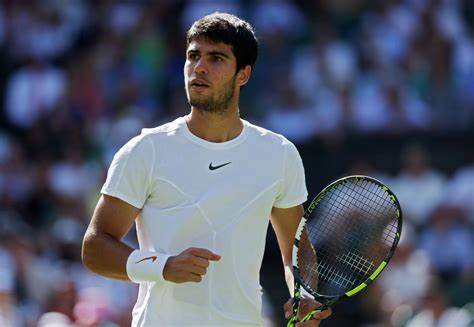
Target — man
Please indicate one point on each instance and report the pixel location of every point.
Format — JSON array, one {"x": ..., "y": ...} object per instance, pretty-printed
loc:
[{"x": 201, "y": 190}]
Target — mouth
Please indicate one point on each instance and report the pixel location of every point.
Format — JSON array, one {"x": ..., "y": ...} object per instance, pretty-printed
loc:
[{"x": 199, "y": 84}]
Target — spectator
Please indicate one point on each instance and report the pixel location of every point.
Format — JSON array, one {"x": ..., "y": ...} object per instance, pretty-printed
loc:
[
  {"x": 448, "y": 242},
  {"x": 291, "y": 116},
  {"x": 404, "y": 283},
  {"x": 436, "y": 311},
  {"x": 460, "y": 191},
  {"x": 33, "y": 91},
  {"x": 420, "y": 188}
]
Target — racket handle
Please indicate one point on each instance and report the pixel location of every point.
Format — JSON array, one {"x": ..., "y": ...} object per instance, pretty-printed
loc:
[
  {"x": 294, "y": 316},
  {"x": 292, "y": 322},
  {"x": 311, "y": 314}
]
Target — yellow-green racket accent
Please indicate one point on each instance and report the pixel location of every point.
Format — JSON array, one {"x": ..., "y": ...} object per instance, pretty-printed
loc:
[{"x": 345, "y": 240}]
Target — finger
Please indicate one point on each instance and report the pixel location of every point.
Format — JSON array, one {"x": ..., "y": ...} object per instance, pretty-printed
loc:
[
  {"x": 316, "y": 319},
  {"x": 193, "y": 278},
  {"x": 198, "y": 270},
  {"x": 288, "y": 304},
  {"x": 323, "y": 314},
  {"x": 306, "y": 306},
  {"x": 204, "y": 253},
  {"x": 288, "y": 308},
  {"x": 304, "y": 309},
  {"x": 200, "y": 262}
]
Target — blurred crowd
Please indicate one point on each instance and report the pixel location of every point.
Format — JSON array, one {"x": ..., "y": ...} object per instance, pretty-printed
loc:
[{"x": 80, "y": 78}]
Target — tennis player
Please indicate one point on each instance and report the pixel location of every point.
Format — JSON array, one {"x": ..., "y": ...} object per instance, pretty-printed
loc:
[{"x": 201, "y": 190}]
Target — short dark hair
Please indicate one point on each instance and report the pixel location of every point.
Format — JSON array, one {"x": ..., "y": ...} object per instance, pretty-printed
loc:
[{"x": 231, "y": 30}]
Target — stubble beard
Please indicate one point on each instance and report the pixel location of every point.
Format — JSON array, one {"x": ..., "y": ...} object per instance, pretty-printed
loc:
[{"x": 218, "y": 104}]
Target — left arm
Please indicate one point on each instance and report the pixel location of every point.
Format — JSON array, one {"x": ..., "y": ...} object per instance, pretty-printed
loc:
[{"x": 285, "y": 223}]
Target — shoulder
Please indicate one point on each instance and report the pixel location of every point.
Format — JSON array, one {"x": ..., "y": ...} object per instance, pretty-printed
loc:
[
  {"x": 160, "y": 132},
  {"x": 164, "y": 129},
  {"x": 259, "y": 133},
  {"x": 268, "y": 142},
  {"x": 145, "y": 141}
]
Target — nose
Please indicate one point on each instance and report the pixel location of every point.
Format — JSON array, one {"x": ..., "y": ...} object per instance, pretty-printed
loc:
[{"x": 200, "y": 67}]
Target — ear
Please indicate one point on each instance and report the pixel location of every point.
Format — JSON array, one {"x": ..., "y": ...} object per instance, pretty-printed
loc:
[{"x": 243, "y": 75}]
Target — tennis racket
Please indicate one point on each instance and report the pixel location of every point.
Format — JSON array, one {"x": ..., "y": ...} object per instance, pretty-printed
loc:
[{"x": 345, "y": 239}]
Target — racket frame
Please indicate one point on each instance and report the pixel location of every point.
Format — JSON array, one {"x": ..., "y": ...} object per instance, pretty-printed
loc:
[{"x": 328, "y": 301}]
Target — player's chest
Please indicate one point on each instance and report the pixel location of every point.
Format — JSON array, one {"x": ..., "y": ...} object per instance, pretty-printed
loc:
[{"x": 219, "y": 176}]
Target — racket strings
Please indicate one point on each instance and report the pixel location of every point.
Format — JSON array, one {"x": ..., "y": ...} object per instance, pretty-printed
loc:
[
  {"x": 348, "y": 235},
  {"x": 372, "y": 201}
]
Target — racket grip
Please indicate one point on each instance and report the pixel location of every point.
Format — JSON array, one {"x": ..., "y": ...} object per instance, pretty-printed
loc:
[
  {"x": 310, "y": 315},
  {"x": 294, "y": 316},
  {"x": 294, "y": 319},
  {"x": 292, "y": 322}
]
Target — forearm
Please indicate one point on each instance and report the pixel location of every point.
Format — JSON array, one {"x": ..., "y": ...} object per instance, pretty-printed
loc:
[
  {"x": 105, "y": 255},
  {"x": 289, "y": 278},
  {"x": 284, "y": 223}
]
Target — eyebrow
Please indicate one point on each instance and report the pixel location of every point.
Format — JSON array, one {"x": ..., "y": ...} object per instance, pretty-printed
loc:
[
  {"x": 218, "y": 53},
  {"x": 211, "y": 53}
]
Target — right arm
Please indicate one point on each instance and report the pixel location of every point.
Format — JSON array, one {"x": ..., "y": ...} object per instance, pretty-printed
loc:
[{"x": 104, "y": 253}]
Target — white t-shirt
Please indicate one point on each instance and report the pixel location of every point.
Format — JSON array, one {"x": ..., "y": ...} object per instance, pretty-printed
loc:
[{"x": 195, "y": 193}]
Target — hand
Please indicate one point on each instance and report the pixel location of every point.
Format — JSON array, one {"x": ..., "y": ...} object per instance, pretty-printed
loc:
[
  {"x": 306, "y": 305},
  {"x": 189, "y": 266}
]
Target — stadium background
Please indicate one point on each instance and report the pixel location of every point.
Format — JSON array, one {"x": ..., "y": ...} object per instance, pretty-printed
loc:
[{"x": 384, "y": 88}]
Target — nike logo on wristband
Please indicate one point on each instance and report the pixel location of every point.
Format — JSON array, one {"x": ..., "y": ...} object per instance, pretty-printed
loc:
[{"x": 152, "y": 258}]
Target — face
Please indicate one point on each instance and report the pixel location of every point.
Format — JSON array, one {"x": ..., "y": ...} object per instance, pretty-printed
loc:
[{"x": 210, "y": 76}]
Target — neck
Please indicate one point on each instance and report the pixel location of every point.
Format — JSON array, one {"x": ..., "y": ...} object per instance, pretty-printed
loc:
[{"x": 214, "y": 127}]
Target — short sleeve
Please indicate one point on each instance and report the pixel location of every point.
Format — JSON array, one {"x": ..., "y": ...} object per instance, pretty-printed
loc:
[
  {"x": 293, "y": 191},
  {"x": 129, "y": 174}
]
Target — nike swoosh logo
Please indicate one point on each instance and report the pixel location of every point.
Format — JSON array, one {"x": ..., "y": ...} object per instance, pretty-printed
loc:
[
  {"x": 152, "y": 258},
  {"x": 211, "y": 167}
]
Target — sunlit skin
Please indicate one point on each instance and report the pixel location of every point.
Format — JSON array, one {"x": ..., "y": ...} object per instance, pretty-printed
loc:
[
  {"x": 212, "y": 85},
  {"x": 214, "y": 96}
]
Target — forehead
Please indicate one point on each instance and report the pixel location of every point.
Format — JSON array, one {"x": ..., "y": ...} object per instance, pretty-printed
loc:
[{"x": 204, "y": 45}]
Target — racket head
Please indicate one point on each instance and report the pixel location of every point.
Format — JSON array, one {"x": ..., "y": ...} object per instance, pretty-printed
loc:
[{"x": 348, "y": 234}]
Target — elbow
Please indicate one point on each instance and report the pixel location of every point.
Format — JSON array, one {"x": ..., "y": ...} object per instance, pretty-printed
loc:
[
  {"x": 89, "y": 246},
  {"x": 288, "y": 262},
  {"x": 287, "y": 259}
]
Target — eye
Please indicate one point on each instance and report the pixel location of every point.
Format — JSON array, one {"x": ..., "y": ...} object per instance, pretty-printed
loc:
[
  {"x": 193, "y": 56},
  {"x": 217, "y": 58}
]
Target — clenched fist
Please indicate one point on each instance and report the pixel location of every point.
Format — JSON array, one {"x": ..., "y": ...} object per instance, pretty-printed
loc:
[{"x": 189, "y": 266}]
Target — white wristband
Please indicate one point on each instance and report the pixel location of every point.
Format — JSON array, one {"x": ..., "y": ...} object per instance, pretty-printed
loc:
[{"x": 146, "y": 266}]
